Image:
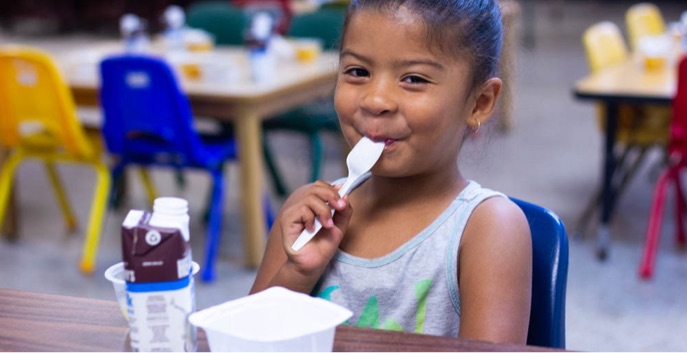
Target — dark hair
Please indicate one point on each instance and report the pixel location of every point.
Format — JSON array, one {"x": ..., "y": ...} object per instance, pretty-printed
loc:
[{"x": 470, "y": 29}]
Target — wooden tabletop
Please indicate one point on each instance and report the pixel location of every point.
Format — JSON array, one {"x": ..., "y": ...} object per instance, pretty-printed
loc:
[
  {"x": 629, "y": 81},
  {"x": 31, "y": 321},
  {"x": 224, "y": 77}
]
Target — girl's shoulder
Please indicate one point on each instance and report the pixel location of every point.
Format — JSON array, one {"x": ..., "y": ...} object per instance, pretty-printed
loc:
[
  {"x": 475, "y": 193},
  {"x": 496, "y": 219}
]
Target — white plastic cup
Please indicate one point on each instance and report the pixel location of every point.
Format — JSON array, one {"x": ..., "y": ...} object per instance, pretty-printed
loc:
[
  {"x": 274, "y": 320},
  {"x": 655, "y": 51},
  {"x": 116, "y": 275}
]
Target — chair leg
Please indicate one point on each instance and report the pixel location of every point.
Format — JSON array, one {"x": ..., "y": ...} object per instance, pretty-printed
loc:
[
  {"x": 681, "y": 205},
  {"x": 214, "y": 214},
  {"x": 583, "y": 221},
  {"x": 116, "y": 191},
  {"x": 208, "y": 206},
  {"x": 621, "y": 174},
  {"x": 180, "y": 179},
  {"x": 214, "y": 226},
  {"x": 63, "y": 201},
  {"x": 96, "y": 218},
  {"x": 269, "y": 213},
  {"x": 151, "y": 191},
  {"x": 654, "y": 224},
  {"x": 277, "y": 181},
  {"x": 6, "y": 180},
  {"x": 631, "y": 171},
  {"x": 209, "y": 200},
  {"x": 317, "y": 152}
]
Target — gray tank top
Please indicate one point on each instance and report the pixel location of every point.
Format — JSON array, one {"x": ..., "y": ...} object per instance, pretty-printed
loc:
[{"x": 415, "y": 287}]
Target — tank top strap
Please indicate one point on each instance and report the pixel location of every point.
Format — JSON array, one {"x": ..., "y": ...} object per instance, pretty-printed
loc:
[{"x": 468, "y": 199}]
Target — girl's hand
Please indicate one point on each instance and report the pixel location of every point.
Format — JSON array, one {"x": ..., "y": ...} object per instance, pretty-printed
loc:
[
  {"x": 314, "y": 201},
  {"x": 300, "y": 271}
]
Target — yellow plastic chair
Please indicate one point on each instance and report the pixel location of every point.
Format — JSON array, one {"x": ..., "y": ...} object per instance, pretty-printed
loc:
[
  {"x": 604, "y": 46},
  {"x": 637, "y": 125},
  {"x": 38, "y": 121},
  {"x": 643, "y": 19},
  {"x": 640, "y": 127}
]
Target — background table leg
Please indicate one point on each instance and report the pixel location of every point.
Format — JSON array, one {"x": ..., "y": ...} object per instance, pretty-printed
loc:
[
  {"x": 248, "y": 132},
  {"x": 608, "y": 194}
]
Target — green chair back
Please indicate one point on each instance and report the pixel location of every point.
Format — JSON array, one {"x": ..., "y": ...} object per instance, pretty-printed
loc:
[
  {"x": 324, "y": 24},
  {"x": 224, "y": 21}
]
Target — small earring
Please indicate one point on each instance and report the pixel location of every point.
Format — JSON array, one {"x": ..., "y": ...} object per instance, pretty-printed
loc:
[{"x": 475, "y": 129}]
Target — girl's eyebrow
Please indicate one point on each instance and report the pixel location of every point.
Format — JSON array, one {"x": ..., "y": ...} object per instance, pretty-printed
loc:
[
  {"x": 347, "y": 52},
  {"x": 398, "y": 63},
  {"x": 432, "y": 63}
]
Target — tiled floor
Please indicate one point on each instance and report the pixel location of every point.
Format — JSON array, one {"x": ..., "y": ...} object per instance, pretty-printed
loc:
[{"x": 550, "y": 157}]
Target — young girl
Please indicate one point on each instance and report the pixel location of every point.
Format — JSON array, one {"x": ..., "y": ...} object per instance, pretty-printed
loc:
[{"x": 416, "y": 247}]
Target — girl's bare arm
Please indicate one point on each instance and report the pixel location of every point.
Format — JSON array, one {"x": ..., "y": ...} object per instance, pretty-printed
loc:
[{"x": 495, "y": 273}]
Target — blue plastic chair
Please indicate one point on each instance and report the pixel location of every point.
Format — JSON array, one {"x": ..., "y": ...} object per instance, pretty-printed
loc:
[
  {"x": 148, "y": 122},
  {"x": 549, "y": 276}
]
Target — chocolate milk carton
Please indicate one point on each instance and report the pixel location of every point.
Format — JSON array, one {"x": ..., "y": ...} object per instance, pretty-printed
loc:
[{"x": 159, "y": 282}]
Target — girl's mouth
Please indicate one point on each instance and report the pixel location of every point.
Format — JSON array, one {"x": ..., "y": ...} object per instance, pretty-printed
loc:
[{"x": 387, "y": 141}]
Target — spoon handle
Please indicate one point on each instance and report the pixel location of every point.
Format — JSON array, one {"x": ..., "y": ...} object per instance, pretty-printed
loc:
[
  {"x": 306, "y": 235},
  {"x": 350, "y": 184}
]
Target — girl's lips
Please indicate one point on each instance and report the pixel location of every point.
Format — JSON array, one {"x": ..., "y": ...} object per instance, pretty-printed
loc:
[{"x": 387, "y": 140}]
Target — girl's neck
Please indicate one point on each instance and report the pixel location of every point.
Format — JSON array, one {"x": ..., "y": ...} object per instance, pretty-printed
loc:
[
  {"x": 415, "y": 188},
  {"x": 388, "y": 212}
]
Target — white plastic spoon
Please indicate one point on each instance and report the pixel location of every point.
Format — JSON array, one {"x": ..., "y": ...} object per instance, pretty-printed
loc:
[{"x": 359, "y": 161}]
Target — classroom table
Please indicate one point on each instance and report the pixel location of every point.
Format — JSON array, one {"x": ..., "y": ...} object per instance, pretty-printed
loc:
[
  {"x": 31, "y": 321},
  {"x": 629, "y": 82},
  {"x": 225, "y": 92}
]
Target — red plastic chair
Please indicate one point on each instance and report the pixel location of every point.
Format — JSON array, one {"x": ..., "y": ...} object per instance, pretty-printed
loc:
[{"x": 677, "y": 152}]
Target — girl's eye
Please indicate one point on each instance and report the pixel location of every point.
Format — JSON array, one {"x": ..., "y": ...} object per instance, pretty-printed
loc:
[
  {"x": 414, "y": 79},
  {"x": 357, "y": 72}
]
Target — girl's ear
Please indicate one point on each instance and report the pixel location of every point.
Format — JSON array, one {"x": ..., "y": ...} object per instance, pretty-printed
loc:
[{"x": 485, "y": 101}]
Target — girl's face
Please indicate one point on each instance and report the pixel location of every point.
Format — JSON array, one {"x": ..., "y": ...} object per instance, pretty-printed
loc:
[{"x": 393, "y": 88}]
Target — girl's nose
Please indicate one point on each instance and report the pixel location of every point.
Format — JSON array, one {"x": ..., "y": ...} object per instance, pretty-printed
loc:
[{"x": 378, "y": 98}]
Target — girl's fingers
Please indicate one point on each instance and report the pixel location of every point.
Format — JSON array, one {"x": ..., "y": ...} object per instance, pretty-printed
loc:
[
  {"x": 320, "y": 210},
  {"x": 343, "y": 215},
  {"x": 314, "y": 202},
  {"x": 321, "y": 200}
]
